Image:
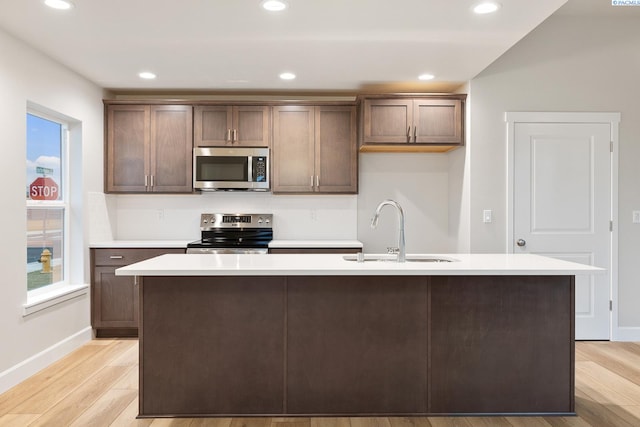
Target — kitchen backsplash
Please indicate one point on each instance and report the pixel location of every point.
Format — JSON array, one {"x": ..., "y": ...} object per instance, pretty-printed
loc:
[{"x": 177, "y": 217}]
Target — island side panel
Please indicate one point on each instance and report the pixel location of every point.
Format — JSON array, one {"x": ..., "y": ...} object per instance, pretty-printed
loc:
[
  {"x": 502, "y": 344},
  {"x": 357, "y": 345},
  {"x": 212, "y": 345}
]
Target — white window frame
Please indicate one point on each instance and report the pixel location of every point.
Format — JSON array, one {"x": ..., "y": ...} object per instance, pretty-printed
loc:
[{"x": 57, "y": 292}]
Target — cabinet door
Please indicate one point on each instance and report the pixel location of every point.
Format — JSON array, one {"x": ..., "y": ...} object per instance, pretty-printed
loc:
[
  {"x": 212, "y": 125},
  {"x": 115, "y": 299},
  {"x": 336, "y": 157},
  {"x": 171, "y": 149},
  {"x": 437, "y": 121},
  {"x": 499, "y": 344},
  {"x": 387, "y": 121},
  {"x": 126, "y": 163},
  {"x": 293, "y": 149},
  {"x": 251, "y": 126}
]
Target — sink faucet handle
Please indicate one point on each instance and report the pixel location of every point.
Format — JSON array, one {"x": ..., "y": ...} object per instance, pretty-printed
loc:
[{"x": 392, "y": 250}]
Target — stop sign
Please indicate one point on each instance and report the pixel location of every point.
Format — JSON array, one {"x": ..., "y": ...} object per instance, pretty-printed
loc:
[{"x": 43, "y": 188}]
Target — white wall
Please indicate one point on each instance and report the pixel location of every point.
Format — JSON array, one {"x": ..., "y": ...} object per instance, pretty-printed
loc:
[
  {"x": 568, "y": 63},
  {"x": 419, "y": 182},
  {"x": 28, "y": 76}
]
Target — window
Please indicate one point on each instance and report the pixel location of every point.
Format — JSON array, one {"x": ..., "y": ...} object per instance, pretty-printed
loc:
[{"x": 47, "y": 202}]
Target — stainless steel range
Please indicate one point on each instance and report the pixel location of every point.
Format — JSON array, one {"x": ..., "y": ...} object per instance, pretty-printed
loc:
[{"x": 233, "y": 234}]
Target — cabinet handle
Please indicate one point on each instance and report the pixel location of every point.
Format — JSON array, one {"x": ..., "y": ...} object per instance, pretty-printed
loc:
[
  {"x": 229, "y": 135},
  {"x": 415, "y": 134},
  {"x": 116, "y": 257},
  {"x": 317, "y": 180},
  {"x": 135, "y": 280},
  {"x": 409, "y": 134},
  {"x": 146, "y": 180},
  {"x": 235, "y": 135},
  {"x": 311, "y": 181},
  {"x": 151, "y": 181}
]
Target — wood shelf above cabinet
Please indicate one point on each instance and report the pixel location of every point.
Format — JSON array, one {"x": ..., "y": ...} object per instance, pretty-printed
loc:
[{"x": 406, "y": 148}]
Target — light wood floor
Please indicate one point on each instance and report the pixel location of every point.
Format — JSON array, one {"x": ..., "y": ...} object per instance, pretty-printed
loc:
[{"x": 97, "y": 386}]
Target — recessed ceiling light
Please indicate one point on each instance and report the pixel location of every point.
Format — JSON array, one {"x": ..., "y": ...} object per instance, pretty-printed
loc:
[
  {"x": 486, "y": 7},
  {"x": 287, "y": 76},
  {"x": 426, "y": 77},
  {"x": 147, "y": 75},
  {"x": 59, "y": 4},
  {"x": 274, "y": 5}
]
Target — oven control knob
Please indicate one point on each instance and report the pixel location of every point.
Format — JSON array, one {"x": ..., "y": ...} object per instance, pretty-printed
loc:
[
  {"x": 267, "y": 221},
  {"x": 260, "y": 220}
]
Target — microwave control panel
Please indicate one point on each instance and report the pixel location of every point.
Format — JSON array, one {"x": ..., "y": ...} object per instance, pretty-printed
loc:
[{"x": 259, "y": 169}]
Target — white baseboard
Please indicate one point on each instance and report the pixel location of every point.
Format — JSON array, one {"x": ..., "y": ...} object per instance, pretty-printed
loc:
[
  {"x": 23, "y": 370},
  {"x": 621, "y": 333}
]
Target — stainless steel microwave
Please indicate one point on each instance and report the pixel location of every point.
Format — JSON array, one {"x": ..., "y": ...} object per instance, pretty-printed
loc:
[{"x": 237, "y": 168}]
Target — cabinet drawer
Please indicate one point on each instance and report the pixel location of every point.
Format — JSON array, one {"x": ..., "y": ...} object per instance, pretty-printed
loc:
[{"x": 126, "y": 256}]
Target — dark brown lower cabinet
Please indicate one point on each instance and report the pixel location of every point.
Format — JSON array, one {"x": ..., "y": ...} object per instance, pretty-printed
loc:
[
  {"x": 356, "y": 345},
  {"x": 501, "y": 344},
  {"x": 212, "y": 345},
  {"x": 114, "y": 299}
]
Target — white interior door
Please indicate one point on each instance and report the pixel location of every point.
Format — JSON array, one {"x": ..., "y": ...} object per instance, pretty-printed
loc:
[{"x": 562, "y": 207}]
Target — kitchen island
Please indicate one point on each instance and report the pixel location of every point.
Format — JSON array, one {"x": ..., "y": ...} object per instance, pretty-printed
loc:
[{"x": 302, "y": 335}]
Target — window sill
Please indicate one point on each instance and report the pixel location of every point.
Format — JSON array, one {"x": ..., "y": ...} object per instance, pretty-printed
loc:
[{"x": 49, "y": 299}]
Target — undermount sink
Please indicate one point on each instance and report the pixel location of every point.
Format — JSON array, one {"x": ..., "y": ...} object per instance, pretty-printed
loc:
[{"x": 393, "y": 258}]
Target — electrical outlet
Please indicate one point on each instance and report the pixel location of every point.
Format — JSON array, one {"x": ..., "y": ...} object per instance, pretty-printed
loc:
[
  {"x": 487, "y": 216},
  {"x": 636, "y": 217}
]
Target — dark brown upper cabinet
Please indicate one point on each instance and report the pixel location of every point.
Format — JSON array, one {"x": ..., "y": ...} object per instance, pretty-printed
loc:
[
  {"x": 418, "y": 123},
  {"x": 226, "y": 126},
  {"x": 314, "y": 149},
  {"x": 148, "y": 148}
]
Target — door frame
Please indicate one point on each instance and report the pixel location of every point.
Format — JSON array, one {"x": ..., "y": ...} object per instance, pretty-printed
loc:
[{"x": 613, "y": 120}]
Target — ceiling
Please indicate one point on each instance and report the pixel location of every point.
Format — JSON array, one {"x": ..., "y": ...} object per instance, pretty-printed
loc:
[{"x": 235, "y": 45}]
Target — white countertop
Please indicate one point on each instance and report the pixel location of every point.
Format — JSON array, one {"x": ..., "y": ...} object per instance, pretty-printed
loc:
[
  {"x": 315, "y": 244},
  {"x": 183, "y": 244},
  {"x": 336, "y": 265},
  {"x": 141, "y": 244}
]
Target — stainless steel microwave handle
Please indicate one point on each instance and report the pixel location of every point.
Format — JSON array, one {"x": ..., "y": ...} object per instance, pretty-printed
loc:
[{"x": 250, "y": 169}]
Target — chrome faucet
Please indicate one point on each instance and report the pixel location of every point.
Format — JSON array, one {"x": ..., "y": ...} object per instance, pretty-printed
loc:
[{"x": 400, "y": 250}]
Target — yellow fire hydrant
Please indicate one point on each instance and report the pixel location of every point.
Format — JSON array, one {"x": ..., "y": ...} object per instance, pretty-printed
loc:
[{"x": 45, "y": 259}]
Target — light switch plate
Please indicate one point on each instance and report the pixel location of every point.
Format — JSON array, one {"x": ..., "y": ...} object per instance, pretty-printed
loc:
[
  {"x": 636, "y": 217},
  {"x": 487, "y": 215}
]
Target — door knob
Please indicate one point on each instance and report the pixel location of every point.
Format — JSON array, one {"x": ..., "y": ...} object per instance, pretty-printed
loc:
[{"x": 521, "y": 242}]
